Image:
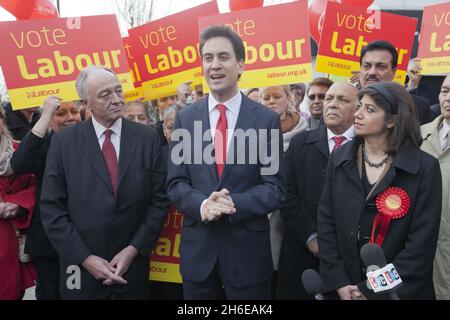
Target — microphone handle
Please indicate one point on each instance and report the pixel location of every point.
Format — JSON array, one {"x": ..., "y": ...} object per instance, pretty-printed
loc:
[
  {"x": 319, "y": 296},
  {"x": 393, "y": 296}
]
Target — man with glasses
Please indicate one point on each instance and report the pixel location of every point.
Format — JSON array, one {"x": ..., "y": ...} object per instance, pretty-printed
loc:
[{"x": 316, "y": 94}]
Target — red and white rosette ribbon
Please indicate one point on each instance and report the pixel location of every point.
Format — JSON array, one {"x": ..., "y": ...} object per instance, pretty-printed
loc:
[{"x": 392, "y": 203}]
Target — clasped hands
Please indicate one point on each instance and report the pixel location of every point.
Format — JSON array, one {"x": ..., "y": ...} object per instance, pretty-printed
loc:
[
  {"x": 218, "y": 204},
  {"x": 111, "y": 272}
]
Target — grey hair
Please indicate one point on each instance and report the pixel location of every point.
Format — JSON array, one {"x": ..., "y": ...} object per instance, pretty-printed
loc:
[
  {"x": 170, "y": 110},
  {"x": 80, "y": 84}
]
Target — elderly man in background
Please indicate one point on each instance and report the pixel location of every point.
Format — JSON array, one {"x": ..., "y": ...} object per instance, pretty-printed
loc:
[{"x": 436, "y": 142}]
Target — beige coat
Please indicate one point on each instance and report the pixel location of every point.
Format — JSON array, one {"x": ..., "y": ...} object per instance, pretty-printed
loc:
[{"x": 441, "y": 272}]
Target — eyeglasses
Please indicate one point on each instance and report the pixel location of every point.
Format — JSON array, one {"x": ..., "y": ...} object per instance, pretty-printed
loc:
[{"x": 320, "y": 96}]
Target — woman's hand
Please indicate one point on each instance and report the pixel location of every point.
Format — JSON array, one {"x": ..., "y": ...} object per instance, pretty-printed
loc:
[{"x": 8, "y": 210}]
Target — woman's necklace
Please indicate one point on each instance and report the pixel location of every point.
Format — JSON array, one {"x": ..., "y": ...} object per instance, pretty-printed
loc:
[{"x": 370, "y": 163}]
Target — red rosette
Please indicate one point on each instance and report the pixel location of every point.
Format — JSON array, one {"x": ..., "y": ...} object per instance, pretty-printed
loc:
[{"x": 392, "y": 203}]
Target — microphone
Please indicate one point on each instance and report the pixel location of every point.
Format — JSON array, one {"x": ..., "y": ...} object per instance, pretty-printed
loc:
[
  {"x": 381, "y": 277},
  {"x": 312, "y": 282}
]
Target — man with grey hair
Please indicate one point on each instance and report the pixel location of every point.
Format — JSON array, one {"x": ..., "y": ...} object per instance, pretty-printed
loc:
[
  {"x": 103, "y": 199},
  {"x": 307, "y": 159},
  {"x": 436, "y": 142}
]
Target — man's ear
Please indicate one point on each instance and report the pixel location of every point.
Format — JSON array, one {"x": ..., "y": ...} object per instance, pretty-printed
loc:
[
  {"x": 394, "y": 71},
  {"x": 241, "y": 67}
]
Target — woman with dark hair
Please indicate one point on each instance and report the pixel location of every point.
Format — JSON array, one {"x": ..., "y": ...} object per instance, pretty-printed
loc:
[{"x": 381, "y": 188}]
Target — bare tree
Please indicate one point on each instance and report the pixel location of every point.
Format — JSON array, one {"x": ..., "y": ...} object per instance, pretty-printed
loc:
[{"x": 133, "y": 13}]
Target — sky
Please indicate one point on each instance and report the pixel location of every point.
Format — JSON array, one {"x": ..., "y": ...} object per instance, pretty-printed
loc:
[{"x": 71, "y": 8}]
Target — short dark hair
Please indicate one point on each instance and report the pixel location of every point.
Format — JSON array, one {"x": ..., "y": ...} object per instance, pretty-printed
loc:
[
  {"x": 320, "y": 82},
  {"x": 381, "y": 45},
  {"x": 406, "y": 132},
  {"x": 224, "y": 32}
]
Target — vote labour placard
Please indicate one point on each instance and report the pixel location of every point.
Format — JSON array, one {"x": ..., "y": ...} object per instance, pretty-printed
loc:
[
  {"x": 138, "y": 91},
  {"x": 434, "y": 42},
  {"x": 166, "y": 51},
  {"x": 348, "y": 29},
  {"x": 276, "y": 52},
  {"x": 165, "y": 259},
  {"x": 43, "y": 57}
]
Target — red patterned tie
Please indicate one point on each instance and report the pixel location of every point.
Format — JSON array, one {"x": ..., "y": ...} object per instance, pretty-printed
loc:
[
  {"x": 338, "y": 140},
  {"x": 220, "y": 140},
  {"x": 109, "y": 153}
]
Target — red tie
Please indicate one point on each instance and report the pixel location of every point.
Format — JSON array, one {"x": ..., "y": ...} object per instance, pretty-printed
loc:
[
  {"x": 109, "y": 153},
  {"x": 220, "y": 140},
  {"x": 338, "y": 140}
]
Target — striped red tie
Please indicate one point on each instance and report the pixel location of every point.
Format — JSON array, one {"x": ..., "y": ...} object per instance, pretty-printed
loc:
[{"x": 338, "y": 140}]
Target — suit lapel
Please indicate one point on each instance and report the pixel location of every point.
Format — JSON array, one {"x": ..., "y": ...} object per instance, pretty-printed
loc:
[
  {"x": 320, "y": 139},
  {"x": 202, "y": 115},
  {"x": 127, "y": 148},
  {"x": 91, "y": 149}
]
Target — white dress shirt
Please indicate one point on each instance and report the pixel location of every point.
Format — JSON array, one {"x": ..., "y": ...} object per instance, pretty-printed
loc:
[
  {"x": 232, "y": 111},
  {"x": 443, "y": 134},
  {"x": 349, "y": 135},
  {"x": 116, "y": 129}
]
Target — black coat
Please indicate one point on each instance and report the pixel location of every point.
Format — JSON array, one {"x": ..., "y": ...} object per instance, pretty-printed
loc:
[
  {"x": 306, "y": 158},
  {"x": 30, "y": 157},
  {"x": 410, "y": 243},
  {"x": 423, "y": 109},
  {"x": 81, "y": 214},
  {"x": 18, "y": 124}
]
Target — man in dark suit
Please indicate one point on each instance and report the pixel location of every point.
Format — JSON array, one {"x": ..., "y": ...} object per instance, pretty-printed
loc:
[
  {"x": 225, "y": 242},
  {"x": 379, "y": 63},
  {"x": 103, "y": 201},
  {"x": 306, "y": 160}
]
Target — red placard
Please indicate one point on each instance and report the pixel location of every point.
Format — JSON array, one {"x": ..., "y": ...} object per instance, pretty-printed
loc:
[
  {"x": 276, "y": 52},
  {"x": 348, "y": 29},
  {"x": 166, "y": 50},
  {"x": 434, "y": 44},
  {"x": 43, "y": 57},
  {"x": 138, "y": 91},
  {"x": 165, "y": 259}
]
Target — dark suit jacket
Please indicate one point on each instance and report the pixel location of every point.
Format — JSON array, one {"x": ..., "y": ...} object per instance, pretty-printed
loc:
[
  {"x": 81, "y": 214},
  {"x": 241, "y": 242},
  {"x": 306, "y": 161},
  {"x": 410, "y": 243},
  {"x": 30, "y": 157},
  {"x": 423, "y": 109}
]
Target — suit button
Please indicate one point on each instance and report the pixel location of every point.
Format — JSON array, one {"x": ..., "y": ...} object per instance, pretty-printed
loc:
[
  {"x": 8, "y": 191},
  {"x": 324, "y": 173}
]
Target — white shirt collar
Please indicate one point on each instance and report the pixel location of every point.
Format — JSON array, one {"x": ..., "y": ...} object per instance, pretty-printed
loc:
[
  {"x": 232, "y": 105},
  {"x": 445, "y": 127},
  {"x": 116, "y": 128},
  {"x": 349, "y": 134}
]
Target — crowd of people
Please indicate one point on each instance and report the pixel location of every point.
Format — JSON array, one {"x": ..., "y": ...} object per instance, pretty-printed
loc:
[{"x": 85, "y": 186}]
